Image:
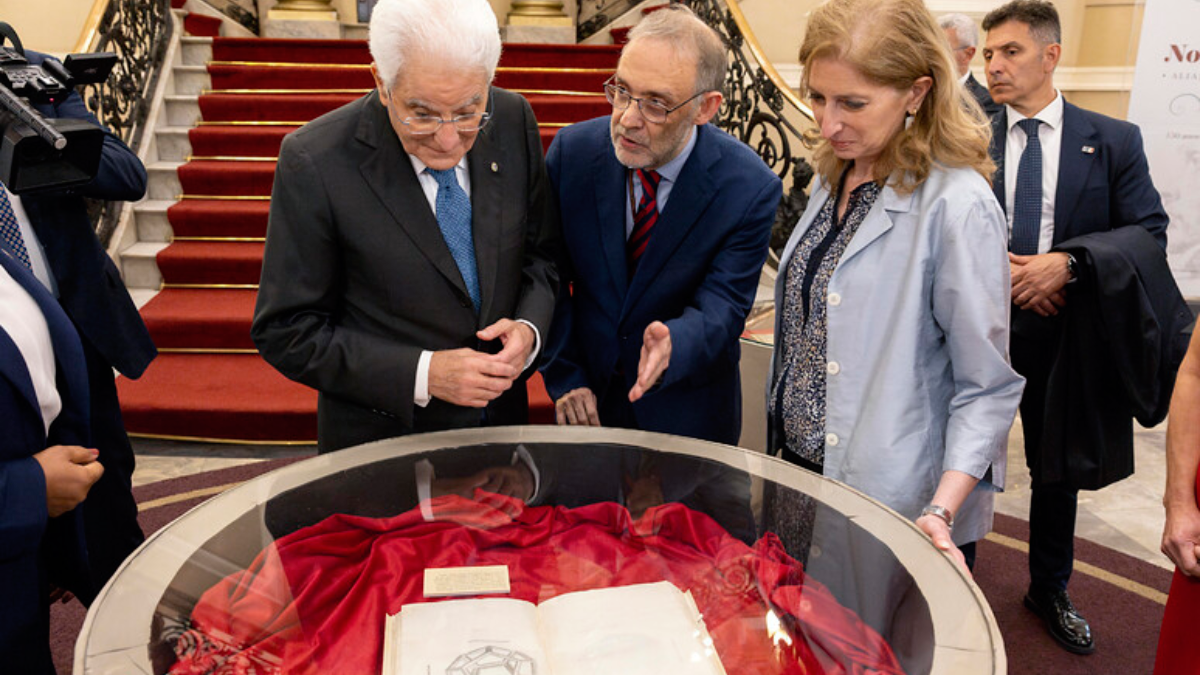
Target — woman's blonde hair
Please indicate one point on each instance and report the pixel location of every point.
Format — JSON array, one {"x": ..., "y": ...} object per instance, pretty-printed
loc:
[{"x": 892, "y": 43}]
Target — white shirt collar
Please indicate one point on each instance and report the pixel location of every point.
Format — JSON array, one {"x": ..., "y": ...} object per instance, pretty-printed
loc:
[
  {"x": 420, "y": 166},
  {"x": 1051, "y": 115},
  {"x": 967, "y": 75}
]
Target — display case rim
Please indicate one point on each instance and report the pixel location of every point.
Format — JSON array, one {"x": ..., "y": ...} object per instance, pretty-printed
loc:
[{"x": 965, "y": 642}]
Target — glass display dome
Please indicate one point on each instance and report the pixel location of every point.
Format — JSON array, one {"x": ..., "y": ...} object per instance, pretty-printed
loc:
[{"x": 776, "y": 569}]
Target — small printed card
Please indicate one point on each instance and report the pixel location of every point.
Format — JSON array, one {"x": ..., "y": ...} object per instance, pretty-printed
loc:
[{"x": 441, "y": 582}]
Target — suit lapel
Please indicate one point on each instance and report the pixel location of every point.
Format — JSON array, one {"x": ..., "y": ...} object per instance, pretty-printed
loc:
[
  {"x": 486, "y": 168},
  {"x": 997, "y": 148},
  {"x": 390, "y": 175},
  {"x": 611, "y": 200},
  {"x": 690, "y": 196},
  {"x": 877, "y": 222},
  {"x": 1074, "y": 165},
  {"x": 68, "y": 354}
]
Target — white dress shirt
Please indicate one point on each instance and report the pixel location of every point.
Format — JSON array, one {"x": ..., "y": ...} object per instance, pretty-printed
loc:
[
  {"x": 429, "y": 186},
  {"x": 22, "y": 320},
  {"x": 1050, "y": 135}
]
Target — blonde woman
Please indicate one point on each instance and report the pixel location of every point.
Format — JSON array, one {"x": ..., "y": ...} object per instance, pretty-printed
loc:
[{"x": 891, "y": 370}]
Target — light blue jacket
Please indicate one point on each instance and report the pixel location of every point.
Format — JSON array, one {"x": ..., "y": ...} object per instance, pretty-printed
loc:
[{"x": 919, "y": 380}]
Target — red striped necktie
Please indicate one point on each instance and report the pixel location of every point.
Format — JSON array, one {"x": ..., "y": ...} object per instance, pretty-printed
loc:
[{"x": 644, "y": 218}]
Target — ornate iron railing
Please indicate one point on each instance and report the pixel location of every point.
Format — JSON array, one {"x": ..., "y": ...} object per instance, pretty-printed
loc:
[
  {"x": 138, "y": 32},
  {"x": 595, "y": 15},
  {"x": 759, "y": 108}
]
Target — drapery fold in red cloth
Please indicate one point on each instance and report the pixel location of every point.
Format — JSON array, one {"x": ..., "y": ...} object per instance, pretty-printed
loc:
[{"x": 315, "y": 601}]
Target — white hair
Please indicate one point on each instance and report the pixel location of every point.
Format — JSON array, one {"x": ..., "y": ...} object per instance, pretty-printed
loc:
[
  {"x": 964, "y": 28},
  {"x": 459, "y": 33}
]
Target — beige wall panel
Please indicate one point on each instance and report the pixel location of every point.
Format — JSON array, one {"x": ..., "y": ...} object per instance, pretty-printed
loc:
[
  {"x": 1110, "y": 35},
  {"x": 1111, "y": 103},
  {"x": 779, "y": 26},
  {"x": 51, "y": 26}
]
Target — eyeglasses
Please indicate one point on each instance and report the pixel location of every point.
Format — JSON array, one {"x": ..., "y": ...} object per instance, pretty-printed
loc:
[
  {"x": 653, "y": 112},
  {"x": 428, "y": 125}
]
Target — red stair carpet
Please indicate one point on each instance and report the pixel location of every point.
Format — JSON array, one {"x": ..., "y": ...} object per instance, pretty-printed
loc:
[{"x": 209, "y": 383}]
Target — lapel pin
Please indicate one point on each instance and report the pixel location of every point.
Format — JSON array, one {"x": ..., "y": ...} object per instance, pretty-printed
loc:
[
  {"x": 495, "y": 167},
  {"x": 1089, "y": 150}
]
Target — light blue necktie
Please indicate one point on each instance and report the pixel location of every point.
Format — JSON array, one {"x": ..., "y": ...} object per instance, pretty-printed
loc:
[
  {"x": 454, "y": 219},
  {"x": 10, "y": 231},
  {"x": 1027, "y": 198}
]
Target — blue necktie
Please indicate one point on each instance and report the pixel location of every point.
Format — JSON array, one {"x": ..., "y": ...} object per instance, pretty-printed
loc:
[
  {"x": 454, "y": 219},
  {"x": 1027, "y": 198},
  {"x": 10, "y": 231}
]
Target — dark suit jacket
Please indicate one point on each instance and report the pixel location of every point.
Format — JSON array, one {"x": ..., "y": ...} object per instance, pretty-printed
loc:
[
  {"x": 698, "y": 275},
  {"x": 89, "y": 286},
  {"x": 1127, "y": 313},
  {"x": 27, "y": 534},
  {"x": 982, "y": 96},
  {"x": 357, "y": 279},
  {"x": 1103, "y": 184}
]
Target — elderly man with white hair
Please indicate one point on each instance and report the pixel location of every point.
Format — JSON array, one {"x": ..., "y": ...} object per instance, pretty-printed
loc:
[
  {"x": 963, "y": 37},
  {"x": 408, "y": 272}
]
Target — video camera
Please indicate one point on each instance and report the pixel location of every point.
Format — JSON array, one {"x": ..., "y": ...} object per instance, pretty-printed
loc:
[{"x": 37, "y": 153}]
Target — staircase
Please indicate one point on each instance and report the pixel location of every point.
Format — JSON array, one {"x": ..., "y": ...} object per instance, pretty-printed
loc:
[{"x": 201, "y": 229}]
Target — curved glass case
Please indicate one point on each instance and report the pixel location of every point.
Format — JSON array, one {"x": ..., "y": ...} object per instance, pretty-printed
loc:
[{"x": 783, "y": 570}]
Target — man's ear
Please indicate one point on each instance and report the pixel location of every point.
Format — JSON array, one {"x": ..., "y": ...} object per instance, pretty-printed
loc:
[
  {"x": 1050, "y": 57},
  {"x": 383, "y": 90},
  {"x": 710, "y": 103}
]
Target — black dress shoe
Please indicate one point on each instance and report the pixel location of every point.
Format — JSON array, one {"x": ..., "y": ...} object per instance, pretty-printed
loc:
[{"x": 1070, "y": 630}]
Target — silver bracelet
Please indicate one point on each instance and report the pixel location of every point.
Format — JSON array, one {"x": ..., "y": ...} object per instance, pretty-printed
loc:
[{"x": 939, "y": 512}]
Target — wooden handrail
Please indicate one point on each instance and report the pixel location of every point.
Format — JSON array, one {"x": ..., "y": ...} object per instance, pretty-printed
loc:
[{"x": 89, "y": 37}]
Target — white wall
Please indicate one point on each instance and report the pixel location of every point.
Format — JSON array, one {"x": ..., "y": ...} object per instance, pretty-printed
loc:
[{"x": 37, "y": 31}]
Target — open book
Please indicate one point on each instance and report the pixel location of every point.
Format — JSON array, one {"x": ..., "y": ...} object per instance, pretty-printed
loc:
[{"x": 644, "y": 629}]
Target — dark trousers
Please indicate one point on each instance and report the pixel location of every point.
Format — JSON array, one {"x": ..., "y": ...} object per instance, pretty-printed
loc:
[
  {"x": 1053, "y": 505},
  {"x": 109, "y": 512}
]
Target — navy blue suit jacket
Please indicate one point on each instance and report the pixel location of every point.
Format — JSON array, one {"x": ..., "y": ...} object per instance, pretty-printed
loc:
[
  {"x": 698, "y": 275},
  {"x": 26, "y": 531},
  {"x": 89, "y": 285},
  {"x": 1103, "y": 178}
]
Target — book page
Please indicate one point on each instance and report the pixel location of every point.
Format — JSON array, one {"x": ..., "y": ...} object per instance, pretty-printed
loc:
[
  {"x": 644, "y": 629},
  {"x": 460, "y": 637}
]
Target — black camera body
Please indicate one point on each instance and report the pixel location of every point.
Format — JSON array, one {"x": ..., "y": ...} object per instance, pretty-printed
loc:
[{"x": 39, "y": 154}]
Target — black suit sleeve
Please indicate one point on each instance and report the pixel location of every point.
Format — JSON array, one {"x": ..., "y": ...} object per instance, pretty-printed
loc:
[
  {"x": 539, "y": 276},
  {"x": 296, "y": 321}
]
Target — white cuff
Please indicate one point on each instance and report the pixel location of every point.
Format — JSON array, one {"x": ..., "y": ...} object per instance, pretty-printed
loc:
[
  {"x": 421, "y": 386},
  {"x": 537, "y": 344}
]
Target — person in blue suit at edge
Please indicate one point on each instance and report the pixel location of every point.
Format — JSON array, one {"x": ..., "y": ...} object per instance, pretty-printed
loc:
[
  {"x": 58, "y": 237},
  {"x": 46, "y": 468},
  {"x": 666, "y": 221}
]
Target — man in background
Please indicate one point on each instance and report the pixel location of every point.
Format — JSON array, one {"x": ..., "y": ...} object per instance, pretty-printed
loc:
[
  {"x": 1064, "y": 173},
  {"x": 963, "y": 38}
]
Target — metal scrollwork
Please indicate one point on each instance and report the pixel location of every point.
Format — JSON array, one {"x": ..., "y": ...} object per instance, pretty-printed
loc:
[
  {"x": 596, "y": 15},
  {"x": 138, "y": 32}
]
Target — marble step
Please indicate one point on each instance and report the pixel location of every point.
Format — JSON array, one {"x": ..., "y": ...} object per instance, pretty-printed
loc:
[
  {"x": 172, "y": 144},
  {"x": 150, "y": 218},
  {"x": 163, "y": 181},
  {"x": 196, "y": 51},
  {"x": 139, "y": 265},
  {"x": 182, "y": 110},
  {"x": 191, "y": 80}
]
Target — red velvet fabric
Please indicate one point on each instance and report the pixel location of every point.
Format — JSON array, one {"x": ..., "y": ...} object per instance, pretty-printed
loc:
[
  {"x": 307, "y": 76},
  {"x": 208, "y": 318},
  {"x": 237, "y": 141},
  {"x": 201, "y": 25},
  {"x": 1178, "y": 649},
  {"x": 225, "y": 178},
  {"x": 219, "y": 218},
  {"x": 211, "y": 262},
  {"x": 315, "y": 601}
]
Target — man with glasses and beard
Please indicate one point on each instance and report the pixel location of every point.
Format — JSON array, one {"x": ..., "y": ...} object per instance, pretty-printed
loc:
[
  {"x": 407, "y": 274},
  {"x": 666, "y": 221}
]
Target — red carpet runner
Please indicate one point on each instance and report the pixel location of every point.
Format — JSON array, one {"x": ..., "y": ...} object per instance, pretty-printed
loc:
[{"x": 209, "y": 383}]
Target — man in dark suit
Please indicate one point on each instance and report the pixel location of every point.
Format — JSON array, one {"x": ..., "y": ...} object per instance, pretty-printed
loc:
[
  {"x": 408, "y": 271},
  {"x": 963, "y": 38},
  {"x": 666, "y": 221},
  {"x": 1062, "y": 172},
  {"x": 45, "y": 470},
  {"x": 68, "y": 259}
]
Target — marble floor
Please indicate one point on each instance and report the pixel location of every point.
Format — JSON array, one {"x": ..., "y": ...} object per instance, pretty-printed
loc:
[{"x": 1127, "y": 516}]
